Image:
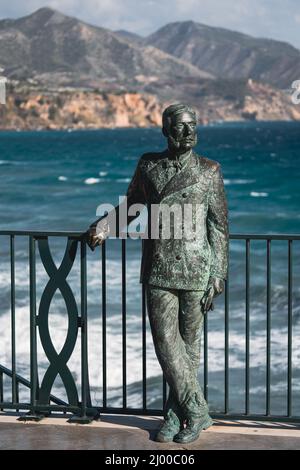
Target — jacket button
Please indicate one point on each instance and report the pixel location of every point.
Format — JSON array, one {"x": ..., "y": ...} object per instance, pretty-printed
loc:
[
  {"x": 178, "y": 257},
  {"x": 184, "y": 194}
]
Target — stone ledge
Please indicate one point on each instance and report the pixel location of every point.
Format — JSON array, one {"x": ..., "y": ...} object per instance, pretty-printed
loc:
[{"x": 119, "y": 432}]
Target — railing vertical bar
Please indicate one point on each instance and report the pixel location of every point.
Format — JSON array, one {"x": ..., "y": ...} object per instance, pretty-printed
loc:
[
  {"x": 1, "y": 389},
  {"x": 226, "y": 347},
  {"x": 268, "y": 326},
  {"x": 247, "y": 325},
  {"x": 124, "y": 358},
  {"x": 290, "y": 325},
  {"x": 164, "y": 392},
  {"x": 104, "y": 362},
  {"x": 13, "y": 317},
  {"x": 17, "y": 394},
  {"x": 205, "y": 345},
  {"x": 144, "y": 348},
  {"x": 33, "y": 339},
  {"x": 84, "y": 329}
]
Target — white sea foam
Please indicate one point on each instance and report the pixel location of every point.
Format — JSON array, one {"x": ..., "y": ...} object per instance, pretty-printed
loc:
[
  {"x": 62, "y": 178},
  {"x": 8, "y": 162},
  {"x": 123, "y": 180},
  {"x": 92, "y": 180},
  {"x": 238, "y": 181},
  {"x": 103, "y": 173},
  {"x": 58, "y": 328},
  {"x": 259, "y": 194}
]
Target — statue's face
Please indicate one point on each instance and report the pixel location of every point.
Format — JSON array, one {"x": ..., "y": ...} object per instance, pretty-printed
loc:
[{"x": 182, "y": 133}]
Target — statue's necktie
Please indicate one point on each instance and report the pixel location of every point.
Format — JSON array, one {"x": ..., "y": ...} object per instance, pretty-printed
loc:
[{"x": 178, "y": 165}]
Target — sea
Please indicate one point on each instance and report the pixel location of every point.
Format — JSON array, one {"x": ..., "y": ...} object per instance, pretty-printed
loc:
[{"x": 55, "y": 180}]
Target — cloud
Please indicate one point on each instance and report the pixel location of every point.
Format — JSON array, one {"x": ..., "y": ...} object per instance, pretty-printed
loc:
[{"x": 263, "y": 18}]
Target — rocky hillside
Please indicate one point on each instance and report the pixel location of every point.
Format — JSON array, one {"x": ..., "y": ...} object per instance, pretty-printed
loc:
[
  {"x": 33, "y": 109},
  {"x": 229, "y": 54},
  {"x": 66, "y": 109},
  {"x": 57, "y": 50}
]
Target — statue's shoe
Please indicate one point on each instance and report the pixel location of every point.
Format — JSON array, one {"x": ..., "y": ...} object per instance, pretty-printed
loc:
[
  {"x": 193, "y": 429},
  {"x": 170, "y": 428}
]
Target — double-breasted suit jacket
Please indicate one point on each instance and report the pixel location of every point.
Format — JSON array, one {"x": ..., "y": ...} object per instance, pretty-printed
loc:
[{"x": 186, "y": 262}]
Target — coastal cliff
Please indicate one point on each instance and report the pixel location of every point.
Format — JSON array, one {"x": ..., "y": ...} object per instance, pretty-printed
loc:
[
  {"x": 29, "y": 109},
  {"x": 79, "y": 110}
]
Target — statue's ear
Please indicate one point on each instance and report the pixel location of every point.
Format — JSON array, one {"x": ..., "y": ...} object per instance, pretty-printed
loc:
[{"x": 164, "y": 131}]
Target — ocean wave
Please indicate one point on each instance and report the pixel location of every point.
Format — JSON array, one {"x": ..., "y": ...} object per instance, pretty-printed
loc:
[
  {"x": 123, "y": 180},
  {"x": 58, "y": 328},
  {"x": 258, "y": 194},
  {"x": 58, "y": 324},
  {"x": 10, "y": 162},
  {"x": 92, "y": 180},
  {"x": 238, "y": 181}
]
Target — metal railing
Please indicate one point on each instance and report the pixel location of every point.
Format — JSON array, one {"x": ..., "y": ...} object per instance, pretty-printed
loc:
[{"x": 43, "y": 402}]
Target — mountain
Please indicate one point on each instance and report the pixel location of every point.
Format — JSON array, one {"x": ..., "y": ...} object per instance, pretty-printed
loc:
[
  {"x": 132, "y": 37},
  {"x": 64, "y": 73},
  {"x": 229, "y": 54},
  {"x": 56, "y": 49}
]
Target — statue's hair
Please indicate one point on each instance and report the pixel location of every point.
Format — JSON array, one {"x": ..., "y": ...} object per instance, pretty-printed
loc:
[{"x": 173, "y": 110}]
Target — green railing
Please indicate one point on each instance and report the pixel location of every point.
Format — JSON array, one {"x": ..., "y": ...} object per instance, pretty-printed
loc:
[{"x": 42, "y": 401}]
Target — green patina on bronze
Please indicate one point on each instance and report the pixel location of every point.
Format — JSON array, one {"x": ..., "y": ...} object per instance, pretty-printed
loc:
[
  {"x": 181, "y": 275},
  {"x": 181, "y": 263}
]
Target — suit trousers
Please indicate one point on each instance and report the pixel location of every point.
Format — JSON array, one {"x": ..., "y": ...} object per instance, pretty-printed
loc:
[{"x": 176, "y": 320}]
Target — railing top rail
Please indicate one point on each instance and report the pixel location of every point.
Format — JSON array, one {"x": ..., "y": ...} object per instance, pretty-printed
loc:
[
  {"x": 275, "y": 236},
  {"x": 77, "y": 234},
  {"x": 40, "y": 233}
]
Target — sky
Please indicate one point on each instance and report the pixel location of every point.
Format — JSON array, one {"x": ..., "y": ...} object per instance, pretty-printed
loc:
[{"x": 275, "y": 19}]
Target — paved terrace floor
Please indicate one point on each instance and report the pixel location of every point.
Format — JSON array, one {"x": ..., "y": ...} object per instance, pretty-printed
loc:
[{"x": 115, "y": 432}]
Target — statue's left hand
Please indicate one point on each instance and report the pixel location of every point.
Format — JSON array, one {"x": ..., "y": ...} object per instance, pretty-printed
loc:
[{"x": 215, "y": 287}]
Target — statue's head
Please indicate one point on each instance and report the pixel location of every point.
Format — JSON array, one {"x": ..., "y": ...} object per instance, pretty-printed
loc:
[{"x": 180, "y": 127}]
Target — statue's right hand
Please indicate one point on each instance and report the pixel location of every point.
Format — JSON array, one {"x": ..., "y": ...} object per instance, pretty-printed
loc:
[
  {"x": 93, "y": 239},
  {"x": 97, "y": 234}
]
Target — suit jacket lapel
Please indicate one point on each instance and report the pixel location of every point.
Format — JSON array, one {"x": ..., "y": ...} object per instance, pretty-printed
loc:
[
  {"x": 155, "y": 172},
  {"x": 192, "y": 172},
  {"x": 185, "y": 177}
]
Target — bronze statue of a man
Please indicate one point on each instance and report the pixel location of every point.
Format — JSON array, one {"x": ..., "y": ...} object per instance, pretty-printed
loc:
[{"x": 182, "y": 274}]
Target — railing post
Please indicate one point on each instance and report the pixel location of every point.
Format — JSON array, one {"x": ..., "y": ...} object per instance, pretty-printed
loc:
[
  {"x": 205, "y": 357},
  {"x": 124, "y": 326},
  {"x": 1, "y": 389},
  {"x": 290, "y": 327},
  {"x": 247, "y": 332},
  {"x": 226, "y": 346},
  {"x": 86, "y": 416},
  {"x": 144, "y": 348},
  {"x": 34, "y": 386},
  {"x": 268, "y": 337},
  {"x": 104, "y": 363},
  {"x": 164, "y": 390},
  {"x": 13, "y": 318}
]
